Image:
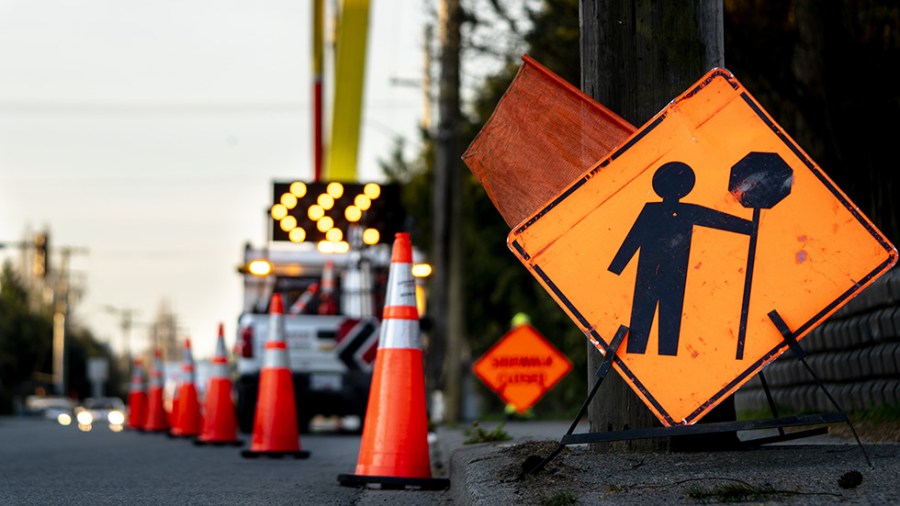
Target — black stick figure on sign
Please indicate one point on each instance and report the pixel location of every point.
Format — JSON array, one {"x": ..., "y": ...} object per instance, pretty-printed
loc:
[{"x": 662, "y": 233}]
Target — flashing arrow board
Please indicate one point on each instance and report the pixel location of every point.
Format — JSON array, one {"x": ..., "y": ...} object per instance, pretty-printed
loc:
[
  {"x": 704, "y": 225},
  {"x": 325, "y": 211},
  {"x": 522, "y": 366}
]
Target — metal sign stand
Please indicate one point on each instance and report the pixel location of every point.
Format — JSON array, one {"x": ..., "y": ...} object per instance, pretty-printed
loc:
[{"x": 709, "y": 428}]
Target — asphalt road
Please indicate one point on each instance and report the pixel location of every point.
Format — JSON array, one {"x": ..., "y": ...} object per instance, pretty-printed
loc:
[{"x": 44, "y": 463}]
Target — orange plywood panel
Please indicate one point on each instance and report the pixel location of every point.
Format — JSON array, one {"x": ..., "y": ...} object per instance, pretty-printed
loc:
[{"x": 542, "y": 135}]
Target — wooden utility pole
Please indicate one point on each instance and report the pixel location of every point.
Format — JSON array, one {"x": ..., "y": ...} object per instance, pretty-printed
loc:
[
  {"x": 126, "y": 322},
  {"x": 447, "y": 301},
  {"x": 60, "y": 316},
  {"x": 636, "y": 56}
]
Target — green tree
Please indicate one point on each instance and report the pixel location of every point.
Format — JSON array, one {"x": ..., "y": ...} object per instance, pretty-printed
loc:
[
  {"x": 831, "y": 78},
  {"x": 83, "y": 345},
  {"x": 25, "y": 340},
  {"x": 494, "y": 278},
  {"x": 26, "y": 348},
  {"x": 501, "y": 285}
]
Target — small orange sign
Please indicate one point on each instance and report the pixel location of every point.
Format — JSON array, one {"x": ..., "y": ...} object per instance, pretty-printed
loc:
[
  {"x": 707, "y": 223},
  {"x": 522, "y": 366}
]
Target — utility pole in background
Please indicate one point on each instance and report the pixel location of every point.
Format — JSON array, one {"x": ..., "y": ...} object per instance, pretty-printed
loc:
[
  {"x": 60, "y": 317},
  {"x": 426, "y": 78},
  {"x": 164, "y": 333},
  {"x": 126, "y": 322},
  {"x": 636, "y": 56},
  {"x": 445, "y": 348}
]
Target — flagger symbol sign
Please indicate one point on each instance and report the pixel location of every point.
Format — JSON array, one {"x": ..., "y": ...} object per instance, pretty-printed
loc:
[
  {"x": 663, "y": 233},
  {"x": 704, "y": 222}
]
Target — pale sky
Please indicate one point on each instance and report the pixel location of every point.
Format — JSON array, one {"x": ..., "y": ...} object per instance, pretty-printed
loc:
[{"x": 150, "y": 133}]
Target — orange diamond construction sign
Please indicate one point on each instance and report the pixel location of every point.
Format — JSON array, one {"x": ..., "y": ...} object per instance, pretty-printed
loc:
[
  {"x": 713, "y": 237},
  {"x": 522, "y": 366}
]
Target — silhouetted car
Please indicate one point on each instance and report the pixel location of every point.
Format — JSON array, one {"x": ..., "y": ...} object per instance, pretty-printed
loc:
[
  {"x": 50, "y": 407},
  {"x": 109, "y": 410}
]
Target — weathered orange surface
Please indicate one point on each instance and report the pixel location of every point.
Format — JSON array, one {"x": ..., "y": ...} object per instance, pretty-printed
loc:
[
  {"x": 522, "y": 366},
  {"x": 543, "y": 134},
  {"x": 815, "y": 249}
]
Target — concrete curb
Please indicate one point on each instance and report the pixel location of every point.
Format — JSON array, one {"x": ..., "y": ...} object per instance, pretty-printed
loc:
[{"x": 811, "y": 473}]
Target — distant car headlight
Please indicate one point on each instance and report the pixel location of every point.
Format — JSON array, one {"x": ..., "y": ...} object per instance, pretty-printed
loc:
[
  {"x": 116, "y": 417},
  {"x": 64, "y": 419},
  {"x": 84, "y": 418}
]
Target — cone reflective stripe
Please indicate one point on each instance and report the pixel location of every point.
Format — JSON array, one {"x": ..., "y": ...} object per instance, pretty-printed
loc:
[
  {"x": 350, "y": 295},
  {"x": 400, "y": 320},
  {"x": 220, "y": 418},
  {"x": 394, "y": 447},
  {"x": 275, "y": 348},
  {"x": 299, "y": 307},
  {"x": 328, "y": 277},
  {"x": 172, "y": 412},
  {"x": 187, "y": 409},
  {"x": 157, "y": 420},
  {"x": 327, "y": 302},
  {"x": 275, "y": 430},
  {"x": 365, "y": 289},
  {"x": 137, "y": 397}
]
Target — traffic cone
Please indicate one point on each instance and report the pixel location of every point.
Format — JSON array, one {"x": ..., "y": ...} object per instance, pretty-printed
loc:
[
  {"x": 394, "y": 447},
  {"x": 157, "y": 420},
  {"x": 299, "y": 307},
  {"x": 186, "y": 412},
  {"x": 220, "y": 417},
  {"x": 172, "y": 411},
  {"x": 275, "y": 432},
  {"x": 328, "y": 300},
  {"x": 137, "y": 397}
]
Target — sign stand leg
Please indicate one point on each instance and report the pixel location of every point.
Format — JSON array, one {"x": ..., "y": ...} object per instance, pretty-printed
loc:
[
  {"x": 602, "y": 371},
  {"x": 782, "y": 435},
  {"x": 801, "y": 355},
  {"x": 770, "y": 399},
  {"x": 777, "y": 422}
]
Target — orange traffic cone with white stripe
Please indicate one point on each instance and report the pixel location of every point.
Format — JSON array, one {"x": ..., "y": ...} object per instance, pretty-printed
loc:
[
  {"x": 137, "y": 397},
  {"x": 172, "y": 410},
  {"x": 219, "y": 415},
  {"x": 302, "y": 303},
  {"x": 157, "y": 420},
  {"x": 186, "y": 414},
  {"x": 394, "y": 448},
  {"x": 328, "y": 300},
  {"x": 275, "y": 432}
]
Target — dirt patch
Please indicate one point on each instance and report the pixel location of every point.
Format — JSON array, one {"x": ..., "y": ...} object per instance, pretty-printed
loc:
[
  {"x": 869, "y": 431},
  {"x": 802, "y": 475}
]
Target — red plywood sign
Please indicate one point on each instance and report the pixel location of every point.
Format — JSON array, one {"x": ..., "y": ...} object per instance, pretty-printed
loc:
[
  {"x": 703, "y": 230},
  {"x": 522, "y": 366}
]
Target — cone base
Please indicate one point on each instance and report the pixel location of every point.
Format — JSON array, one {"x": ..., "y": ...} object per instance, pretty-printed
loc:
[
  {"x": 212, "y": 442},
  {"x": 251, "y": 454},
  {"x": 181, "y": 436},
  {"x": 393, "y": 482}
]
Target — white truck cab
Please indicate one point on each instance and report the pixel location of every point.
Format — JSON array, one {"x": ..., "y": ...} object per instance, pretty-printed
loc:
[{"x": 332, "y": 308}]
